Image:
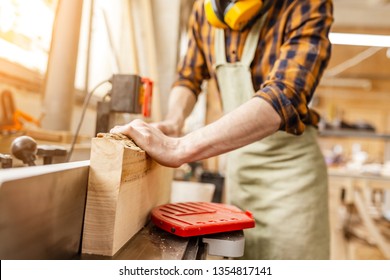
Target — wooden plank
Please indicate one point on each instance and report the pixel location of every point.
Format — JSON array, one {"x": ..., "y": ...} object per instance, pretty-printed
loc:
[
  {"x": 146, "y": 49},
  {"x": 124, "y": 185},
  {"x": 167, "y": 19},
  {"x": 58, "y": 98},
  {"x": 132, "y": 41}
]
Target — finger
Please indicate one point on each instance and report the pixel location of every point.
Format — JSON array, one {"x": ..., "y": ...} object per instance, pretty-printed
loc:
[
  {"x": 156, "y": 125},
  {"x": 123, "y": 129},
  {"x": 140, "y": 134},
  {"x": 116, "y": 129},
  {"x": 161, "y": 127}
]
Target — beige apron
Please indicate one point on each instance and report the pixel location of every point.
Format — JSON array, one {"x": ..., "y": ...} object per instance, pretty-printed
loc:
[{"x": 281, "y": 179}]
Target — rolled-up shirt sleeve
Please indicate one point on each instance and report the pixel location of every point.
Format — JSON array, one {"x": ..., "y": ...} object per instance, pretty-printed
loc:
[{"x": 303, "y": 56}]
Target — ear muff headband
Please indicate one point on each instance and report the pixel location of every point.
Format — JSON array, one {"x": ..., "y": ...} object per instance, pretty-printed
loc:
[
  {"x": 235, "y": 15},
  {"x": 213, "y": 14}
]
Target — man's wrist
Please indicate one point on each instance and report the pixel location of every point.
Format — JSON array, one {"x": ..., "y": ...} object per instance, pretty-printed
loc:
[{"x": 187, "y": 149}]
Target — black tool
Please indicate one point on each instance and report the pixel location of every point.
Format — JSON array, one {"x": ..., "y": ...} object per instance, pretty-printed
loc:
[
  {"x": 6, "y": 161},
  {"x": 25, "y": 149}
]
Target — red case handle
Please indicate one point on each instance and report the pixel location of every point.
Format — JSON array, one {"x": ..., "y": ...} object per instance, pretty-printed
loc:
[{"x": 147, "y": 103}]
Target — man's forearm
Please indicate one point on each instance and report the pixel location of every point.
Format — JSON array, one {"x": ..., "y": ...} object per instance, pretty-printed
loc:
[
  {"x": 180, "y": 106},
  {"x": 250, "y": 122}
]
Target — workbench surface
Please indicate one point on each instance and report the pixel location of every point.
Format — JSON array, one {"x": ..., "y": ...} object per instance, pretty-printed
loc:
[{"x": 152, "y": 243}]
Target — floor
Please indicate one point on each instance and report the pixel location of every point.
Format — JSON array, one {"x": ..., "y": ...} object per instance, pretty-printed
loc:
[{"x": 354, "y": 243}]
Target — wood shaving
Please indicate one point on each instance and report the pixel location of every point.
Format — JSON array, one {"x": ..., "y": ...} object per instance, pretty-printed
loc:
[{"x": 120, "y": 137}]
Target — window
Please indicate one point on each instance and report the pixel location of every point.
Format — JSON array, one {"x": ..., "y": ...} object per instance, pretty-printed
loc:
[{"x": 25, "y": 32}]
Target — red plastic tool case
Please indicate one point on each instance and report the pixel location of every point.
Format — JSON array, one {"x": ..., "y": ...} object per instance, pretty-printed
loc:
[{"x": 200, "y": 218}]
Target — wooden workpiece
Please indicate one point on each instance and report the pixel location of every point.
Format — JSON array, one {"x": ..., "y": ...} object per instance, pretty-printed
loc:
[{"x": 124, "y": 185}]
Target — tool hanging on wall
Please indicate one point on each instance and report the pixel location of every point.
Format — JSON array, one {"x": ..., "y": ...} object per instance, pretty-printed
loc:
[
  {"x": 130, "y": 94},
  {"x": 12, "y": 119}
]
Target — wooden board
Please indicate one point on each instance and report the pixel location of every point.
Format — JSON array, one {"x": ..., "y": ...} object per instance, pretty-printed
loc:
[{"x": 124, "y": 185}]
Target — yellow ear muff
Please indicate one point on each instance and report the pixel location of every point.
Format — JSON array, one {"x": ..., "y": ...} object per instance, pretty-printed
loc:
[
  {"x": 211, "y": 15},
  {"x": 239, "y": 14}
]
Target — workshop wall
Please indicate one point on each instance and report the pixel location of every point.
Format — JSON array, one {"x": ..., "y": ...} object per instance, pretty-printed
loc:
[
  {"x": 127, "y": 36},
  {"x": 358, "y": 94}
]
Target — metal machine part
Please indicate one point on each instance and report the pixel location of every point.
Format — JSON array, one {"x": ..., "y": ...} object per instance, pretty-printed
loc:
[
  {"x": 6, "y": 161},
  {"x": 226, "y": 244},
  {"x": 25, "y": 149},
  {"x": 125, "y": 94},
  {"x": 48, "y": 152},
  {"x": 42, "y": 211},
  {"x": 130, "y": 94},
  {"x": 41, "y": 217}
]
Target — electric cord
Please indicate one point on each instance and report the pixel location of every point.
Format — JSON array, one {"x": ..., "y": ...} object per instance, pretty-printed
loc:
[{"x": 84, "y": 109}]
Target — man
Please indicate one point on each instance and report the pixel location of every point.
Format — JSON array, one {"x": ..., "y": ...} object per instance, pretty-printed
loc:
[{"x": 267, "y": 71}]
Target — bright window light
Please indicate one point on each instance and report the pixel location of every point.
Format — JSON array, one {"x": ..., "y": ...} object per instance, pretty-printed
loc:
[
  {"x": 360, "y": 39},
  {"x": 25, "y": 31}
]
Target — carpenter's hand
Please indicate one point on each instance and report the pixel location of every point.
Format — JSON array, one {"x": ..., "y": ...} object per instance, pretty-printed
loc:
[
  {"x": 168, "y": 127},
  {"x": 162, "y": 148}
]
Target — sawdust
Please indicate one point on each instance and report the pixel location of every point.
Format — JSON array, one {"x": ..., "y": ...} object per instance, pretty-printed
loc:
[{"x": 122, "y": 138}]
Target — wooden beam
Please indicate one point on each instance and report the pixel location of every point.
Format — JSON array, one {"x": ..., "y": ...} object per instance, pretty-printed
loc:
[
  {"x": 124, "y": 185},
  {"x": 133, "y": 45},
  {"x": 166, "y": 22},
  {"x": 61, "y": 68},
  {"x": 20, "y": 77}
]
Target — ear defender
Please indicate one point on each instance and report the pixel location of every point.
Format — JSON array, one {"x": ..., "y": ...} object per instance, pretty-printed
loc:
[
  {"x": 213, "y": 14},
  {"x": 236, "y": 15}
]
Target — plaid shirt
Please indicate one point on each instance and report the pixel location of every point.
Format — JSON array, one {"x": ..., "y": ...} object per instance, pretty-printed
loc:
[{"x": 292, "y": 53}]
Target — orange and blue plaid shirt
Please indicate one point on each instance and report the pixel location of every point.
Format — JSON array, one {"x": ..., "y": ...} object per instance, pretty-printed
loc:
[{"x": 291, "y": 55}]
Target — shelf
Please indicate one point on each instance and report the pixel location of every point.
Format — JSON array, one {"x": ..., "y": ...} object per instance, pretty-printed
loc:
[
  {"x": 353, "y": 133},
  {"x": 349, "y": 174}
]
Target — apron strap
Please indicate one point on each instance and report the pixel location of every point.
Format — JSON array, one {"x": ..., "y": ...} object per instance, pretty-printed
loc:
[
  {"x": 219, "y": 47},
  {"x": 251, "y": 42},
  {"x": 249, "y": 48}
]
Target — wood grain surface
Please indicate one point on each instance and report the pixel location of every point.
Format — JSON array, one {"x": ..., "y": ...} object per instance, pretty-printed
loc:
[{"x": 124, "y": 185}]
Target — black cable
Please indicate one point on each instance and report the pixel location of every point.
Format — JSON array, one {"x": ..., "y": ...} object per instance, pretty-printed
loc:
[{"x": 85, "y": 105}]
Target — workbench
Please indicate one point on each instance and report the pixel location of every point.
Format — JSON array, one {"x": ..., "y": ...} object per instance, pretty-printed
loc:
[
  {"x": 357, "y": 193},
  {"x": 152, "y": 243}
]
